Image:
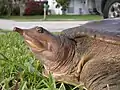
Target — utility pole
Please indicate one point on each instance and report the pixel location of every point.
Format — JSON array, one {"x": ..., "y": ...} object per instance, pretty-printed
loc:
[{"x": 45, "y": 10}]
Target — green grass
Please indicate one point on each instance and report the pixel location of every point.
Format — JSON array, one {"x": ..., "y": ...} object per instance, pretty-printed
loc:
[
  {"x": 54, "y": 17},
  {"x": 19, "y": 70}
]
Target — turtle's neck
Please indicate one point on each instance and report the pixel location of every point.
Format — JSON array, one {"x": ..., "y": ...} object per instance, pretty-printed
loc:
[{"x": 63, "y": 56}]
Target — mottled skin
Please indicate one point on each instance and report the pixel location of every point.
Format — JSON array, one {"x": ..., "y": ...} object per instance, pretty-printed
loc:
[
  {"x": 86, "y": 55},
  {"x": 56, "y": 52}
]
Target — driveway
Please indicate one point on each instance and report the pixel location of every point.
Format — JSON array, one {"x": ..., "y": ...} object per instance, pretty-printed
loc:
[{"x": 53, "y": 26}]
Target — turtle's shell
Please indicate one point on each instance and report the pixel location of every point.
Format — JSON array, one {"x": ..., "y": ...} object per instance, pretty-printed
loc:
[{"x": 107, "y": 30}]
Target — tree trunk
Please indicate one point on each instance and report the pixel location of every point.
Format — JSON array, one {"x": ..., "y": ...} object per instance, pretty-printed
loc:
[
  {"x": 9, "y": 8},
  {"x": 22, "y": 7}
]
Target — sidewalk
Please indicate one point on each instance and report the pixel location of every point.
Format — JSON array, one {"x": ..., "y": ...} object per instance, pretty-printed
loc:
[{"x": 53, "y": 26}]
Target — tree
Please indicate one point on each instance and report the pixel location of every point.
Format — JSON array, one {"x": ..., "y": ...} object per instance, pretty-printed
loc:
[
  {"x": 19, "y": 4},
  {"x": 11, "y": 7},
  {"x": 22, "y": 6},
  {"x": 64, "y": 4},
  {"x": 5, "y": 7}
]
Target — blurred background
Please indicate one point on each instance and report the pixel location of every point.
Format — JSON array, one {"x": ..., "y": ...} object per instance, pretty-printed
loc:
[{"x": 105, "y": 8}]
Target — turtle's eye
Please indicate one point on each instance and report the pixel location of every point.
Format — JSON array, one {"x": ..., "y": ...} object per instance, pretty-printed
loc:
[{"x": 39, "y": 29}]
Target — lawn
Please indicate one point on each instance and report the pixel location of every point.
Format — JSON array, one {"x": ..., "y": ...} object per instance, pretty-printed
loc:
[
  {"x": 19, "y": 70},
  {"x": 54, "y": 18}
]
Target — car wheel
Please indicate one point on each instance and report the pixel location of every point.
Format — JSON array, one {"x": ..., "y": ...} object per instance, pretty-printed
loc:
[{"x": 112, "y": 9}]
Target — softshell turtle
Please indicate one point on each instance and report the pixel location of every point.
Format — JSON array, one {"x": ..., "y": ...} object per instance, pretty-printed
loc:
[{"x": 88, "y": 55}]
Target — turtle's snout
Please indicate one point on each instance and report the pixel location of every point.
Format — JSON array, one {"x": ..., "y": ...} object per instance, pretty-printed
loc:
[{"x": 19, "y": 30}]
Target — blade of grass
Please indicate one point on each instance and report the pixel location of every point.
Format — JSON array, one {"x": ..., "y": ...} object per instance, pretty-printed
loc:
[
  {"x": 62, "y": 87},
  {"x": 23, "y": 86},
  {"x": 4, "y": 57}
]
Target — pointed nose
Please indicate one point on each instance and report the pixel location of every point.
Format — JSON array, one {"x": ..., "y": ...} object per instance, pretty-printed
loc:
[{"x": 19, "y": 30}]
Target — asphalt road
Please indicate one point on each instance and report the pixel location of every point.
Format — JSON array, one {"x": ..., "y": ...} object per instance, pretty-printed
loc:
[{"x": 53, "y": 26}]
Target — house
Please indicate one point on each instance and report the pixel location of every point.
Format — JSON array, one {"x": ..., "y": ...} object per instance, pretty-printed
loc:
[
  {"x": 52, "y": 7},
  {"x": 76, "y": 7}
]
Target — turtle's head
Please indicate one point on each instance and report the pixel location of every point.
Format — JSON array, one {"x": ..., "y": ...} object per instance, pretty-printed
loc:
[
  {"x": 56, "y": 52},
  {"x": 37, "y": 38}
]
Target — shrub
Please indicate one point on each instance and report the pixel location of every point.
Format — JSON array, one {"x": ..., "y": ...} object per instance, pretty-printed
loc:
[{"x": 34, "y": 8}]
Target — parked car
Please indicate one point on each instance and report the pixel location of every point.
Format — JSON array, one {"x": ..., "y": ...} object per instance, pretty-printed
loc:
[{"x": 108, "y": 8}]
